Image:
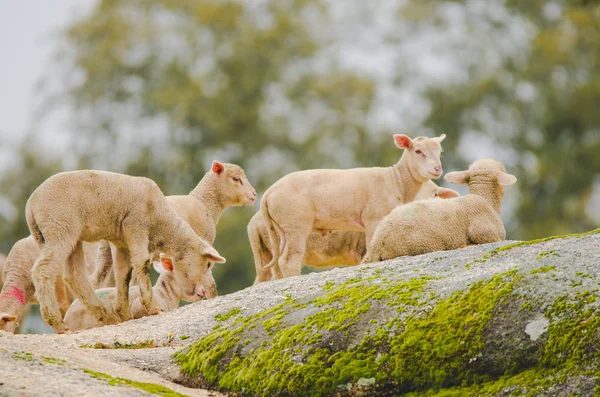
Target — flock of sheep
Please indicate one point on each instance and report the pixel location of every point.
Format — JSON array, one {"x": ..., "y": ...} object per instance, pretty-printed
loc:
[{"x": 95, "y": 232}]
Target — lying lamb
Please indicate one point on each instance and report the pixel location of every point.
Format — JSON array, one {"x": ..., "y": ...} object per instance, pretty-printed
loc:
[
  {"x": 225, "y": 185},
  {"x": 338, "y": 248},
  {"x": 132, "y": 213},
  {"x": 355, "y": 199},
  {"x": 436, "y": 225},
  {"x": 166, "y": 294},
  {"x": 18, "y": 290}
]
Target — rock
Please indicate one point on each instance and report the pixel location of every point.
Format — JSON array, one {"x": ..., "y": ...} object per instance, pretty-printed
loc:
[{"x": 497, "y": 319}]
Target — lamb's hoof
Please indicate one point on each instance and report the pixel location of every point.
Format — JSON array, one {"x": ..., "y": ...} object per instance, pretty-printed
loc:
[
  {"x": 124, "y": 315},
  {"x": 154, "y": 312}
]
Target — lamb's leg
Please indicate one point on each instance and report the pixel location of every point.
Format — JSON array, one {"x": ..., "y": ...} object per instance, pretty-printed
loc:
[
  {"x": 104, "y": 263},
  {"x": 141, "y": 270},
  {"x": 62, "y": 295},
  {"x": 264, "y": 257},
  {"x": 276, "y": 273},
  {"x": 290, "y": 261},
  {"x": 43, "y": 273},
  {"x": 123, "y": 272},
  {"x": 76, "y": 279}
]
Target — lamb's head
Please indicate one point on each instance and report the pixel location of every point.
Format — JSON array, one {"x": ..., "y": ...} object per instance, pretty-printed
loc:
[
  {"x": 430, "y": 190},
  {"x": 486, "y": 177},
  {"x": 422, "y": 155},
  {"x": 8, "y": 322},
  {"x": 232, "y": 184},
  {"x": 192, "y": 270}
]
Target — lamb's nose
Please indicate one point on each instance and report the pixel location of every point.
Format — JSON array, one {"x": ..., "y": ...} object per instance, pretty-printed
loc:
[{"x": 438, "y": 168}]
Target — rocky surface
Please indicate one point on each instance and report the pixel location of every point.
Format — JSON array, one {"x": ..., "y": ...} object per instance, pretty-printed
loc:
[{"x": 497, "y": 319}]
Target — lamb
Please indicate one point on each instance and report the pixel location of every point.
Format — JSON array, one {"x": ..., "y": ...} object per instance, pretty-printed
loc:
[
  {"x": 355, "y": 199},
  {"x": 130, "y": 212},
  {"x": 337, "y": 248},
  {"x": 435, "y": 225},
  {"x": 18, "y": 289},
  {"x": 166, "y": 294},
  {"x": 225, "y": 185}
]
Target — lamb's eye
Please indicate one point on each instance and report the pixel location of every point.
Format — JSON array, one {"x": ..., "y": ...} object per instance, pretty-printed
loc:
[
  {"x": 236, "y": 179},
  {"x": 420, "y": 152},
  {"x": 209, "y": 265}
]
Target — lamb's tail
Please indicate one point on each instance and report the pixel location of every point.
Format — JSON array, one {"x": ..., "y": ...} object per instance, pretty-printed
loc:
[
  {"x": 275, "y": 232},
  {"x": 33, "y": 226}
]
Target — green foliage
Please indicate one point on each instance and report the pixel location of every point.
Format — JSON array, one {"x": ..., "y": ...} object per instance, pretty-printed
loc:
[{"x": 553, "y": 135}]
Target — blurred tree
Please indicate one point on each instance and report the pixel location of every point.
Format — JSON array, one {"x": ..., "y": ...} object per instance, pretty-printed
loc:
[
  {"x": 18, "y": 183},
  {"x": 543, "y": 107},
  {"x": 160, "y": 88}
]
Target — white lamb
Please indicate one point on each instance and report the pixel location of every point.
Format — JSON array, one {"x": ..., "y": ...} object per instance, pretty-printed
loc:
[
  {"x": 337, "y": 248},
  {"x": 166, "y": 294},
  {"x": 355, "y": 199},
  {"x": 435, "y": 225},
  {"x": 130, "y": 212}
]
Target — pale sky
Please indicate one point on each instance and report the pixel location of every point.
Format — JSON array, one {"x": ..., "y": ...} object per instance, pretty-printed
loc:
[{"x": 26, "y": 44}]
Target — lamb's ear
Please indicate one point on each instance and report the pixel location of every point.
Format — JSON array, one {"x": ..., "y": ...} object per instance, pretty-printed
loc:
[
  {"x": 402, "y": 141},
  {"x": 217, "y": 167},
  {"x": 505, "y": 179},
  {"x": 7, "y": 318},
  {"x": 439, "y": 139},
  {"x": 457, "y": 177},
  {"x": 166, "y": 264},
  {"x": 212, "y": 255},
  {"x": 446, "y": 193}
]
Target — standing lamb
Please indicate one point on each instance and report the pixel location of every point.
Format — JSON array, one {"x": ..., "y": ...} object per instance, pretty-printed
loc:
[
  {"x": 337, "y": 248},
  {"x": 355, "y": 199},
  {"x": 18, "y": 290},
  {"x": 166, "y": 294},
  {"x": 130, "y": 212},
  {"x": 436, "y": 225},
  {"x": 225, "y": 185}
]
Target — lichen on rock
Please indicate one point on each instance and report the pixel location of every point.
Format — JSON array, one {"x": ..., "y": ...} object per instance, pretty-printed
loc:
[{"x": 419, "y": 329}]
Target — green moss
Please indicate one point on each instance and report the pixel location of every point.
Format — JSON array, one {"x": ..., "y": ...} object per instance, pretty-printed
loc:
[
  {"x": 432, "y": 350},
  {"x": 152, "y": 388},
  {"x": 574, "y": 337},
  {"x": 183, "y": 337},
  {"x": 54, "y": 361},
  {"x": 526, "y": 306},
  {"x": 546, "y": 253},
  {"x": 328, "y": 285},
  {"x": 508, "y": 247},
  {"x": 544, "y": 269},
  {"x": 228, "y": 315},
  {"x": 531, "y": 382},
  {"x": 22, "y": 355}
]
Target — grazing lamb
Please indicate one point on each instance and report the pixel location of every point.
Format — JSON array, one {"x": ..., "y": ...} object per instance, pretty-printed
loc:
[
  {"x": 225, "y": 185},
  {"x": 130, "y": 212},
  {"x": 435, "y": 225},
  {"x": 337, "y": 248},
  {"x": 166, "y": 294},
  {"x": 18, "y": 289},
  {"x": 355, "y": 199}
]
